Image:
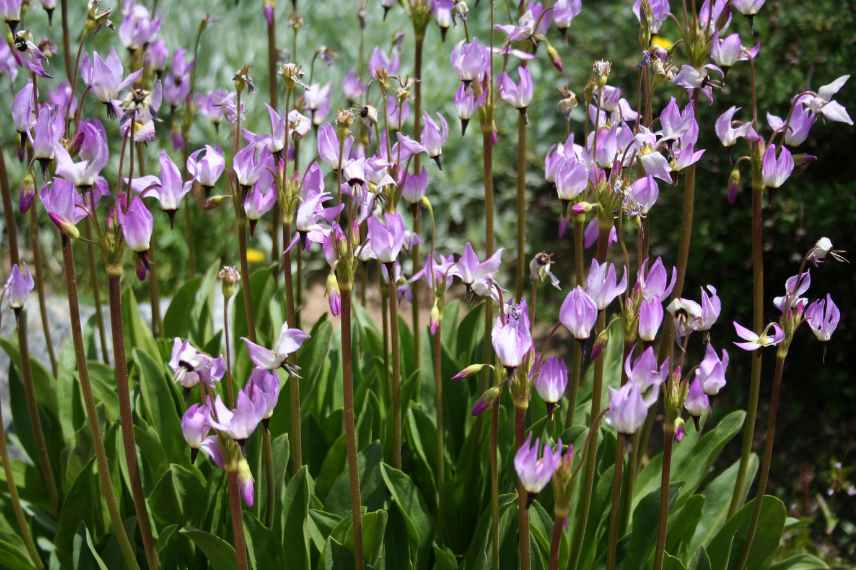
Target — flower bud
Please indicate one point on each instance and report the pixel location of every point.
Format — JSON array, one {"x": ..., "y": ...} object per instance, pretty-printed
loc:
[
  {"x": 486, "y": 400},
  {"x": 599, "y": 344},
  {"x": 555, "y": 58},
  {"x": 230, "y": 277},
  {"x": 733, "y": 185},
  {"x": 470, "y": 370},
  {"x": 27, "y": 194},
  {"x": 562, "y": 487}
]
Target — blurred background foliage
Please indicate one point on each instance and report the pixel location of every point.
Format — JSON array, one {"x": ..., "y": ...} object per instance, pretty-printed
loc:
[{"x": 804, "y": 44}]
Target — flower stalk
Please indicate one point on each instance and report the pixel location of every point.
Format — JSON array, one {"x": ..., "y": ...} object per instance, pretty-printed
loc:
[
  {"x": 437, "y": 346},
  {"x": 38, "y": 269},
  {"x": 106, "y": 482},
  {"x": 396, "y": 368},
  {"x": 522, "y": 495},
  {"x": 662, "y": 521},
  {"x": 236, "y": 512},
  {"x": 126, "y": 416},
  {"x": 419, "y": 42}
]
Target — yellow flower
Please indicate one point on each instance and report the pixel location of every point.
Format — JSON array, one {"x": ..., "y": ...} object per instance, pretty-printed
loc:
[
  {"x": 661, "y": 42},
  {"x": 255, "y": 255}
]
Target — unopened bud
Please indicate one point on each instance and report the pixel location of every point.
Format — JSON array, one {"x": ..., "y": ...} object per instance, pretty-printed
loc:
[
  {"x": 470, "y": 370},
  {"x": 733, "y": 185},
  {"x": 555, "y": 58},
  {"x": 230, "y": 277},
  {"x": 486, "y": 400},
  {"x": 600, "y": 344}
]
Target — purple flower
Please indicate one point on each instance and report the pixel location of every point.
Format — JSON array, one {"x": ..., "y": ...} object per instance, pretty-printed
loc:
[
  {"x": 726, "y": 132},
  {"x": 93, "y": 155},
  {"x": 352, "y": 86},
  {"x": 434, "y": 136},
  {"x": 334, "y": 296},
  {"x": 466, "y": 104},
  {"x": 10, "y": 10},
  {"x": 711, "y": 306},
  {"x": 823, "y": 103},
  {"x": 728, "y": 51},
  {"x": 18, "y": 286},
  {"x": 697, "y": 402},
  {"x": 552, "y": 380},
  {"x": 755, "y": 341},
  {"x": 50, "y": 126},
  {"x": 170, "y": 189},
  {"x": 328, "y": 146},
  {"x": 650, "y": 318},
  {"x": 628, "y": 408},
  {"x": 776, "y": 170},
  {"x": 711, "y": 370},
  {"x": 571, "y": 179},
  {"x": 386, "y": 237},
  {"x": 674, "y": 123},
  {"x": 471, "y": 60},
  {"x": 23, "y": 112},
  {"x": 240, "y": 423},
  {"x": 260, "y": 199},
  {"x": 156, "y": 55},
  {"x": 289, "y": 341},
  {"x": 206, "y": 165},
  {"x": 747, "y": 7},
  {"x": 578, "y": 313},
  {"x": 644, "y": 371},
  {"x": 659, "y": 13},
  {"x": 535, "y": 472},
  {"x": 415, "y": 186},
  {"x": 652, "y": 160},
  {"x": 564, "y": 12},
  {"x": 798, "y": 128},
  {"x": 106, "y": 78},
  {"x": 642, "y": 196},
  {"x": 795, "y": 287},
  {"x": 519, "y": 94},
  {"x": 246, "y": 483},
  {"x": 263, "y": 389},
  {"x": 191, "y": 366},
  {"x": 823, "y": 316},
  {"x": 380, "y": 61},
  {"x": 28, "y": 54},
  {"x": 249, "y": 164},
  {"x": 137, "y": 225},
  {"x": 473, "y": 272},
  {"x": 138, "y": 28},
  {"x": 602, "y": 284},
  {"x": 64, "y": 205},
  {"x": 195, "y": 425},
  {"x": 511, "y": 335}
]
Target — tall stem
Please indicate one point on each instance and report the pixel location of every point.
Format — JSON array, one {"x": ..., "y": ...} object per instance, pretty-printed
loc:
[
  {"x": 615, "y": 514},
  {"x": 9, "y": 213},
  {"x": 768, "y": 455},
  {"x": 273, "y": 100},
  {"x": 350, "y": 429},
  {"x": 15, "y": 500},
  {"x": 89, "y": 405},
  {"x": 556, "y": 541},
  {"x": 576, "y": 380},
  {"x": 154, "y": 282},
  {"x": 758, "y": 324},
  {"x": 295, "y": 437},
  {"x": 396, "y": 369},
  {"x": 417, "y": 221},
  {"x": 241, "y": 229},
  {"x": 38, "y": 266},
  {"x": 127, "y": 420},
  {"x": 66, "y": 45},
  {"x": 227, "y": 342},
  {"x": 520, "y": 271},
  {"x": 96, "y": 288},
  {"x": 596, "y": 397},
  {"x": 267, "y": 460},
  {"x": 439, "y": 420},
  {"x": 236, "y": 511},
  {"x": 662, "y": 522},
  {"x": 522, "y": 495},
  {"x": 44, "y": 460}
]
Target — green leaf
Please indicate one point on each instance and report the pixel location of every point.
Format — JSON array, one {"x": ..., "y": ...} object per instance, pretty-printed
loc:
[
  {"x": 410, "y": 504},
  {"x": 13, "y": 557},
  {"x": 86, "y": 557},
  {"x": 639, "y": 546},
  {"x": 219, "y": 553},
  {"x": 771, "y": 524},
  {"x": 81, "y": 506},
  {"x": 138, "y": 336},
  {"x": 672, "y": 563},
  {"x": 159, "y": 406},
  {"x": 683, "y": 523},
  {"x": 178, "y": 319},
  {"x": 294, "y": 521},
  {"x": 717, "y": 498},
  {"x": 179, "y": 496},
  {"x": 803, "y": 561},
  {"x": 265, "y": 548},
  {"x": 103, "y": 379},
  {"x": 374, "y": 526},
  {"x": 262, "y": 289},
  {"x": 444, "y": 559}
]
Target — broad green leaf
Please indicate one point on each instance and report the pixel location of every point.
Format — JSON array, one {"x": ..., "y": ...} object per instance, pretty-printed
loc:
[
  {"x": 178, "y": 319},
  {"x": 178, "y": 496},
  {"x": 444, "y": 559},
  {"x": 802, "y": 561},
  {"x": 672, "y": 563},
  {"x": 103, "y": 379},
  {"x": 770, "y": 527},
  {"x": 374, "y": 526},
  {"x": 159, "y": 406},
  {"x": 638, "y": 547},
  {"x": 138, "y": 335},
  {"x": 265, "y": 548},
  {"x": 81, "y": 505},
  {"x": 14, "y": 557},
  {"x": 682, "y": 525},
  {"x": 220, "y": 554},
  {"x": 293, "y": 525},
  {"x": 410, "y": 504}
]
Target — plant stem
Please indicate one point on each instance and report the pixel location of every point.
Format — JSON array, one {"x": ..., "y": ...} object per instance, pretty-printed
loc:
[
  {"x": 668, "y": 440},
  {"x": 15, "y": 500},
  {"x": 38, "y": 267},
  {"x": 439, "y": 411},
  {"x": 396, "y": 369},
  {"x": 9, "y": 214},
  {"x": 44, "y": 460},
  {"x": 686, "y": 230},
  {"x": 521, "y": 206},
  {"x": 768, "y": 455},
  {"x": 89, "y": 406},
  {"x": 227, "y": 341},
  {"x": 236, "y": 511},
  {"x": 241, "y": 229},
  {"x": 154, "y": 283},
  {"x": 596, "y": 397},
  {"x": 96, "y": 288},
  {"x": 127, "y": 420},
  {"x": 419, "y": 42},
  {"x": 615, "y": 513},
  {"x": 556, "y": 541},
  {"x": 267, "y": 454},
  {"x": 522, "y": 495},
  {"x": 758, "y": 324},
  {"x": 295, "y": 437},
  {"x": 350, "y": 429},
  {"x": 66, "y": 46},
  {"x": 576, "y": 380}
]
